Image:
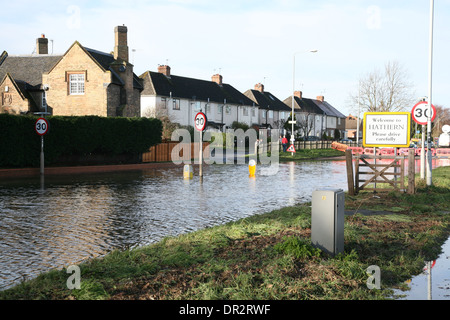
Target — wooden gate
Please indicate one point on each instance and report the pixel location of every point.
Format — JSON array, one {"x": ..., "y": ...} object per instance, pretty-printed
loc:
[
  {"x": 378, "y": 173},
  {"x": 377, "y": 176}
]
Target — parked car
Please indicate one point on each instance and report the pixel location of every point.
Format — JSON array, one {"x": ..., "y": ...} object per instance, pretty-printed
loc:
[{"x": 312, "y": 138}]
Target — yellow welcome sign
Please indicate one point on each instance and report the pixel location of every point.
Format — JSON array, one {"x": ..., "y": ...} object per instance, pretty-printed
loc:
[{"x": 387, "y": 129}]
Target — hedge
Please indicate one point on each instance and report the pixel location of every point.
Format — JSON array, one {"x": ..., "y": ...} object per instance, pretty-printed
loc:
[{"x": 20, "y": 144}]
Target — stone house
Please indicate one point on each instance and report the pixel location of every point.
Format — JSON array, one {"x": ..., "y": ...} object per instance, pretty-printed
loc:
[
  {"x": 181, "y": 98},
  {"x": 82, "y": 81}
]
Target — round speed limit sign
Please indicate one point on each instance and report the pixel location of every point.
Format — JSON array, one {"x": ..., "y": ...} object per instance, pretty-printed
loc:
[
  {"x": 41, "y": 126},
  {"x": 420, "y": 113},
  {"x": 200, "y": 121}
]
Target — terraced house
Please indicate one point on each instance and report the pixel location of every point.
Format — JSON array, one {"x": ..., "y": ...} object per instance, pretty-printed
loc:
[
  {"x": 316, "y": 117},
  {"x": 181, "y": 98},
  {"x": 82, "y": 81}
]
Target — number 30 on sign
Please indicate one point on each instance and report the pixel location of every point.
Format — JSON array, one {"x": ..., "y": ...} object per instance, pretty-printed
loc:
[
  {"x": 41, "y": 126},
  {"x": 200, "y": 121},
  {"x": 420, "y": 113}
]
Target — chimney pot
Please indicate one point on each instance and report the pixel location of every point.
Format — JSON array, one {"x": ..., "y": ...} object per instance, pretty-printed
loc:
[
  {"x": 298, "y": 94},
  {"x": 259, "y": 87},
  {"x": 321, "y": 98}
]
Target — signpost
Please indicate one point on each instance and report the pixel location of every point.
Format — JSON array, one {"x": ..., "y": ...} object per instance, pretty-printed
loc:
[
  {"x": 200, "y": 123},
  {"x": 420, "y": 114},
  {"x": 41, "y": 127}
]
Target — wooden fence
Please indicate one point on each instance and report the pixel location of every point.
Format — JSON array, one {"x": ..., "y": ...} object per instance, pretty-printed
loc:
[
  {"x": 163, "y": 151},
  {"x": 378, "y": 173}
]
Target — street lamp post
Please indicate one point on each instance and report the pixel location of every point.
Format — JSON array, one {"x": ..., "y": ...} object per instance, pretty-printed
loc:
[
  {"x": 293, "y": 90},
  {"x": 430, "y": 89}
]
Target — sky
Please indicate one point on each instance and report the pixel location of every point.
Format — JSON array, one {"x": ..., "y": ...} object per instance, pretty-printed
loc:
[{"x": 250, "y": 42}]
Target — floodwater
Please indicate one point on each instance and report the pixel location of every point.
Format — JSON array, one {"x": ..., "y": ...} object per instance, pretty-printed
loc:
[
  {"x": 419, "y": 287},
  {"x": 67, "y": 219},
  {"x": 71, "y": 218}
]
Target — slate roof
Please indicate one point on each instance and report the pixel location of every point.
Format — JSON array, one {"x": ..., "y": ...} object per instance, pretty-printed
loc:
[
  {"x": 266, "y": 100},
  {"x": 328, "y": 109},
  {"x": 156, "y": 83},
  {"x": 105, "y": 60},
  {"x": 313, "y": 106},
  {"x": 27, "y": 69}
]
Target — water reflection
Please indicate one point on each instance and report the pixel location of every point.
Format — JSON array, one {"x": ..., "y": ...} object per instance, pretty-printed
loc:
[
  {"x": 64, "y": 220},
  {"x": 439, "y": 278}
]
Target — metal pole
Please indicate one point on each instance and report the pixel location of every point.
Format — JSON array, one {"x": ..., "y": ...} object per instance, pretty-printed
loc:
[
  {"x": 429, "y": 280},
  {"x": 42, "y": 156},
  {"x": 357, "y": 118},
  {"x": 430, "y": 90},
  {"x": 200, "y": 172},
  {"x": 422, "y": 155},
  {"x": 293, "y": 91}
]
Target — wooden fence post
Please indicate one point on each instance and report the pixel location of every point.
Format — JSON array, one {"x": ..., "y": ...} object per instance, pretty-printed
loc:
[{"x": 349, "y": 163}]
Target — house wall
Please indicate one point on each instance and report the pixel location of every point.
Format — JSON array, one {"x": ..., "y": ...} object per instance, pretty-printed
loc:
[
  {"x": 12, "y": 101},
  {"x": 95, "y": 99}
]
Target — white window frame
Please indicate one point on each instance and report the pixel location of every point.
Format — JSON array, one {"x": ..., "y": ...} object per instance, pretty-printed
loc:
[{"x": 77, "y": 84}]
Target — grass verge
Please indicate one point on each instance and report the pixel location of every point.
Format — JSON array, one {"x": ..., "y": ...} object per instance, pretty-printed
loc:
[{"x": 269, "y": 256}]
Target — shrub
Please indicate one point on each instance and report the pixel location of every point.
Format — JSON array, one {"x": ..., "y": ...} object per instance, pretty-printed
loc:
[{"x": 20, "y": 145}]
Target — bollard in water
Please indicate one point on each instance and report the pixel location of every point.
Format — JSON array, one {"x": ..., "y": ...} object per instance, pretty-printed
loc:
[
  {"x": 252, "y": 168},
  {"x": 188, "y": 172}
]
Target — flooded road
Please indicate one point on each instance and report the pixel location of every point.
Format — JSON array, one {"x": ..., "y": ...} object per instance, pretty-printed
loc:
[
  {"x": 68, "y": 219},
  {"x": 71, "y": 218}
]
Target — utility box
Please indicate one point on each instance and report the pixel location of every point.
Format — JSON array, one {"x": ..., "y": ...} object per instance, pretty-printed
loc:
[{"x": 327, "y": 220}]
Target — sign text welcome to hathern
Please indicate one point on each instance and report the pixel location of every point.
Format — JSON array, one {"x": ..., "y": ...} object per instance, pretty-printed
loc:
[{"x": 387, "y": 129}]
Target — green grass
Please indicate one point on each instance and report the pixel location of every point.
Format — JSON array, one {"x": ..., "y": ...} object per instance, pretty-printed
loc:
[
  {"x": 309, "y": 154},
  {"x": 269, "y": 256}
]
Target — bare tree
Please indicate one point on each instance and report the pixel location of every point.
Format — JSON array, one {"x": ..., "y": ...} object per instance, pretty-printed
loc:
[
  {"x": 442, "y": 118},
  {"x": 306, "y": 123},
  {"x": 385, "y": 91}
]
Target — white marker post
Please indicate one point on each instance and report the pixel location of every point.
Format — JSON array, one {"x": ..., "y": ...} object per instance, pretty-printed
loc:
[{"x": 200, "y": 122}]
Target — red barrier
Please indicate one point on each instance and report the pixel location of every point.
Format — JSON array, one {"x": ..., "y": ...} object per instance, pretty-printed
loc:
[
  {"x": 443, "y": 152},
  {"x": 368, "y": 151},
  {"x": 387, "y": 151},
  {"x": 403, "y": 151},
  {"x": 356, "y": 150},
  {"x": 419, "y": 151}
]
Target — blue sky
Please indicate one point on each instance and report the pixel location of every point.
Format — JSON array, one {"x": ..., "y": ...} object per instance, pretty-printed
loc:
[{"x": 251, "y": 41}]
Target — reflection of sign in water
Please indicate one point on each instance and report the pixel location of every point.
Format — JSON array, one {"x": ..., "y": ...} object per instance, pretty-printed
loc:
[{"x": 386, "y": 129}]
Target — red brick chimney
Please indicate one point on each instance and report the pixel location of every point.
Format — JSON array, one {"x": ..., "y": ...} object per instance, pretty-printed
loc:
[
  {"x": 217, "y": 78},
  {"x": 298, "y": 94},
  {"x": 259, "y": 87},
  {"x": 42, "y": 45},
  {"x": 321, "y": 98},
  {"x": 165, "y": 70}
]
